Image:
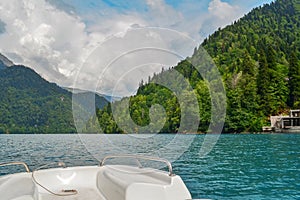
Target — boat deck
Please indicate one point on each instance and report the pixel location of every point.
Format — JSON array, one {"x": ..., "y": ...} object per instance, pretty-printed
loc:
[
  {"x": 103, "y": 182},
  {"x": 94, "y": 183}
]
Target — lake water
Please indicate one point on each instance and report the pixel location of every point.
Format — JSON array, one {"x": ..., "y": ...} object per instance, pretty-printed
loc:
[{"x": 265, "y": 166}]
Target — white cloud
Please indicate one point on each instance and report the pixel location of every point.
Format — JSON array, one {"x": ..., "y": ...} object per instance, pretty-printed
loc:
[
  {"x": 56, "y": 42},
  {"x": 219, "y": 15},
  {"x": 122, "y": 61},
  {"x": 51, "y": 41},
  {"x": 222, "y": 10},
  {"x": 222, "y": 13},
  {"x": 163, "y": 15}
]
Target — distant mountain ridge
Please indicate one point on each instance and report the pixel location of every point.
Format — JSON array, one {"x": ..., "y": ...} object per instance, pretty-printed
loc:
[
  {"x": 30, "y": 104},
  {"x": 5, "y": 61},
  {"x": 107, "y": 97}
]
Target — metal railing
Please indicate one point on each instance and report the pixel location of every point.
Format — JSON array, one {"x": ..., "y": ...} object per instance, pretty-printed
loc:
[
  {"x": 64, "y": 192},
  {"x": 16, "y": 163},
  {"x": 137, "y": 158}
]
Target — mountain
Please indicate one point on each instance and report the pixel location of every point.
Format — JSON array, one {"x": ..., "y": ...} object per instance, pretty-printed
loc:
[
  {"x": 258, "y": 58},
  {"x": 2, "y": 65},
  {"x": 85, "y": 99},
  {"x": 30, "y": 104},
  {"x": 107, "y": 97},
  {"x": 5, "y": 62}
]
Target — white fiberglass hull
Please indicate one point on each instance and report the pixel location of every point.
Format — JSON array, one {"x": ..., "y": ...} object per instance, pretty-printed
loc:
[{"x": 109, "y": 182}]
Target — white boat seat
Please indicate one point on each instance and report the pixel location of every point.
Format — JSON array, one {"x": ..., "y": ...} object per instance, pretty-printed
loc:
[{"x": 124, "y": 183}]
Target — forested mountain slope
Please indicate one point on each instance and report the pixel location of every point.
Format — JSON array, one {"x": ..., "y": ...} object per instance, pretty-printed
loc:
[
  {"x": 258, "y": 58},
  {"x": 30, "y": 104}
]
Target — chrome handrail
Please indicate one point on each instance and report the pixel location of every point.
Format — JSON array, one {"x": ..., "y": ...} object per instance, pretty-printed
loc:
[
  {"x": 137, "y": 157},
  {"x": 16, "y": 163},
  {"x": 68, "y": 192}
]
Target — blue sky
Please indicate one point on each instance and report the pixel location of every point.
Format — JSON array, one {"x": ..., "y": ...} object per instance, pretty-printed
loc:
[
  {"x": 56, "y": 37},
  {"x": 92, "y": 12},
  {"x": 140, "y": 5}
]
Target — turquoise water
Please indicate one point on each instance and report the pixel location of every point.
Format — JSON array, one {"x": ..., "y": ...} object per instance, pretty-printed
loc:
[{"x": 263, "y": 166}]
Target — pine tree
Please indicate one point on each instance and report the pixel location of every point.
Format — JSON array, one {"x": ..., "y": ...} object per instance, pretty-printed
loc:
[
  {"x": 294, "y": 80},
  {"x": 263, "y": 77},
  {"x": 248, "y": 66}
]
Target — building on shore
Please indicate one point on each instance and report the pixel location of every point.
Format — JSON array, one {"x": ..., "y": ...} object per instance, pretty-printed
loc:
[{"x": 285, "y": 124}]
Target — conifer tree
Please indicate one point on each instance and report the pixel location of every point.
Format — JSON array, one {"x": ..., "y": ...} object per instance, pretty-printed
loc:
[
  {"x": 263, "y": 77},
  {"x": 294, "y": 80}
]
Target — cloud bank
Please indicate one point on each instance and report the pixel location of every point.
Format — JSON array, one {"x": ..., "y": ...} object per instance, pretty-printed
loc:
[{"x": 56, "y": 37}]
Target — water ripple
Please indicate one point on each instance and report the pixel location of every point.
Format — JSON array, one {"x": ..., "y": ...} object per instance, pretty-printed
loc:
[{"x": 239, "y": 167}]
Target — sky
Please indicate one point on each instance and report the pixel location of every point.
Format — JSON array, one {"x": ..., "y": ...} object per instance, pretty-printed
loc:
[{"x": 92, "y": 44}]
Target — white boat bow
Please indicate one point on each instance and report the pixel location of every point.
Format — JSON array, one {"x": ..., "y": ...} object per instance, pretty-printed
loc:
[{"x": 103, "y": 182}]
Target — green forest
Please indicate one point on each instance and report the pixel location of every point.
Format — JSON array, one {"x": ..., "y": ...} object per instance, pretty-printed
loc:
[
  {"x": 258, "y": 58},
  {"x": 30, "y": 104}
]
